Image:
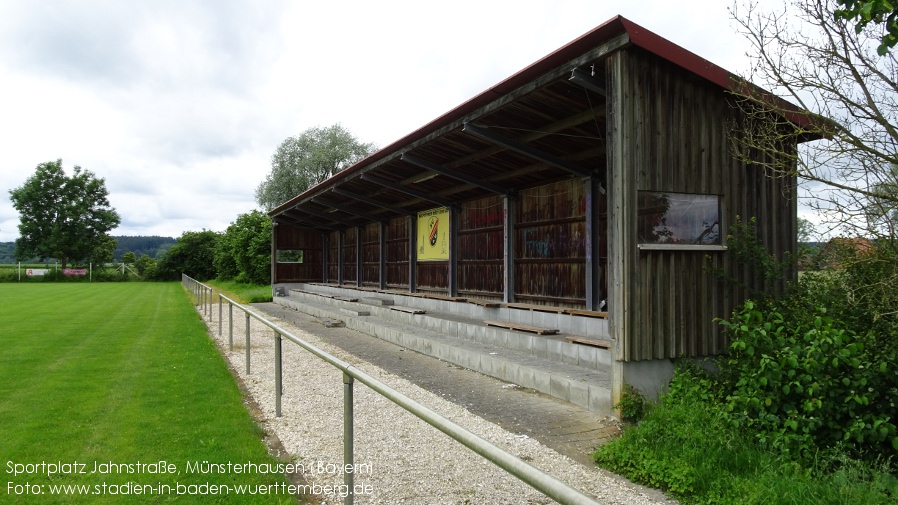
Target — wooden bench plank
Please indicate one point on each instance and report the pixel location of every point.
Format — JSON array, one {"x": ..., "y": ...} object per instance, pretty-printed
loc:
[
  {"x": 445, "y": 298},
  {"x": 410, "y": 310},
  {"x": 604, "y": 344},
  {"x": 485, "y": 303},
  {"x": 540, "y": 308},
  {"x": 587, "y": 313},
  {"x": 521, "y": 327}
]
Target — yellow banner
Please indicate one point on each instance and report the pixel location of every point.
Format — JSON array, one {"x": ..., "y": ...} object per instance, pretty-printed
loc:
[{"x": 433, "y": 235}]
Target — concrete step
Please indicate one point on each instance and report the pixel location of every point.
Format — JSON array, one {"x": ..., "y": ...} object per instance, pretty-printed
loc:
[
  {"x": 587, "y": 387},
  {"x": 376, "y": 301},
  {"x": 554, "y": 348}
]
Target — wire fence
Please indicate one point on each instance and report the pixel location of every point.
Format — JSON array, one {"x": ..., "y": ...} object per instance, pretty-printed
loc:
[{"x": 534, "y": 477}]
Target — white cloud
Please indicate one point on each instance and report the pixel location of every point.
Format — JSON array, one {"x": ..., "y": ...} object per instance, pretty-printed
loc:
[{"x": 180, "y": 104}]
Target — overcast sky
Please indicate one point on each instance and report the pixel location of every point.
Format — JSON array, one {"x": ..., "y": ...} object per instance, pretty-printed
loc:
[{"x": 180, "y": 104}]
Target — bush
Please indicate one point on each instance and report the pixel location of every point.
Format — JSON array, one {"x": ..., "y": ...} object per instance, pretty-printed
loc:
[{"x": 808, "y": 386}]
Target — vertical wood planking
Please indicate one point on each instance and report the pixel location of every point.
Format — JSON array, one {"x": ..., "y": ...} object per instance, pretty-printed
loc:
[{"x": 668, "y": 132}]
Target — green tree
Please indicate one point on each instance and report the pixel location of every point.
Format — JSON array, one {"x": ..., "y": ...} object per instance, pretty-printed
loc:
[
  {"x": 244, "y": 251},
  {"x": 301, "y": 162},
  {"x": 129, "y": 258},
  {"x": 146, "y": 266},
  {"x": 879, "y": 12},
  {"x": 193, "y": 255},
  {"x": 62, "y": 217}
]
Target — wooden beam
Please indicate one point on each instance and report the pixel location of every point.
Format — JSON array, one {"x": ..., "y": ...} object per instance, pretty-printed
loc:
[
  {"x": 588, "y": 81},
  {"x": 323, "y": 215},
  {"x": 508, "y": 208},
  {"x": 341, "y": 208},
  {"x": 433, "y": 167},
  {"x": 526, "y": 150},
  {"x": 409, "y": 191},
  {"x": 372, "y": 201},
  {"x": 292, "y": 217}
]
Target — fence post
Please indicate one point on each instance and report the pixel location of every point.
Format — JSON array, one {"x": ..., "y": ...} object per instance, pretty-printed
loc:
[
  {"x": 348, "y": 476},
  {"x": 220, "y": 309},
  {"x": 247, "y": 342},
  {"x": 211, "y": 294},
  {"x": 231, "y": 325},
  {"x": 278, "y": 374}
]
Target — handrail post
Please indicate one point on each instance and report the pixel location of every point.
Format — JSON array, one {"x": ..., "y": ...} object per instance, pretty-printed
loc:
[
  {"x": 348, "y": 474},
  {"x": 247, "y": 342},
  {"x": 231, "y": 325},
  {"x": 220, "y": 309},
  {"x": 211, "y": 297},
  {"x": 278, "y": 376}
]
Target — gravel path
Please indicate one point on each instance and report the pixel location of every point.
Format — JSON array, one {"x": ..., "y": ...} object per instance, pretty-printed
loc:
[{"x": 400, "y": 459}]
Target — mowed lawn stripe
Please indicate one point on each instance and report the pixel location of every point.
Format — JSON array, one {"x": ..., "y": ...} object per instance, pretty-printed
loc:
[{"x": 118, "y": 373}]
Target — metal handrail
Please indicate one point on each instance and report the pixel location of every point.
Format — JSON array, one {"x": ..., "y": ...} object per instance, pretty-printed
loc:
[{"x": 536, "y": 478}]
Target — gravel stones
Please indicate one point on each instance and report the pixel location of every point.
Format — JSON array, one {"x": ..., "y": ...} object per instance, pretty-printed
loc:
[{"x": 399, "y": 459}]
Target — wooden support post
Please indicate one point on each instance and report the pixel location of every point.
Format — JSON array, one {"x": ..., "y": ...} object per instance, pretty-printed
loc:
[
  {"x": 325, "y": 245},
  {"x": 453, "y": 251},
  {"x": 340, "y": 259},
  {"x": 412, "y": 254},
  {"x": 359, "y": 272},
  {"x": 382, "y": 268},
  {"x": 508, "y": 212},
  {"x": 593, "y": 290},
  {"x": 274, "y": 254}
]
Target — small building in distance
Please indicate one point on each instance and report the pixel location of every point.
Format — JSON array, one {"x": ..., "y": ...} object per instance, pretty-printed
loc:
[{"x": 598, "y": 183}]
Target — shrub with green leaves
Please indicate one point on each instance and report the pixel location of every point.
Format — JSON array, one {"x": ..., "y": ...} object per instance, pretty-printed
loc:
[{"x": 810, "y": 384}]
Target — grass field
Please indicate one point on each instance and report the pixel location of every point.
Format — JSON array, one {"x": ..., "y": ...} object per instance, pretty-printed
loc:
[{"x": 118, "y": 374}]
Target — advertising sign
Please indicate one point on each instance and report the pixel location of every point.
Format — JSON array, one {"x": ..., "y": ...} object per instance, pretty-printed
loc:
[
  {"x": 36, "y": 271},
  {"x": 433, "y": 235},
  {"x": 74, "y": 271}
]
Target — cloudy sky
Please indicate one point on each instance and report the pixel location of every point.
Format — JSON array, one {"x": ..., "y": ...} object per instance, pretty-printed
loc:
[{"x": 179, "y": 104}]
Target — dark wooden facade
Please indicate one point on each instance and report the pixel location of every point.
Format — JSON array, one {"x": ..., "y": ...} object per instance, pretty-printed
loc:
[
  {"x": 543, "y": 175},
  {"x": 670, "y": 133}
]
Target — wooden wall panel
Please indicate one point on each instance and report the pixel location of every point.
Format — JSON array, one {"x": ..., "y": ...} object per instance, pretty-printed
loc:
[
  {"x": 397, "y": 253},
  {"x": 433, "y": 276},
  {"x": 350, "y": 270},
  {"x": 333, "y": 256},
  {"x": 480, "y": 248},
  {"x": 550, "y": 244},
  {"x": 371, "y": 255},
  {"x": 288, "y": 237}
]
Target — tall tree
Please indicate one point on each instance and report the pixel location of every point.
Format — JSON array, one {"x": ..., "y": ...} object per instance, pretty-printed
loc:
[
  {"x": 62, "y": 217},
  {"x": 818, "y": 61},
  {"x": 193, "y": 255},
  {"x": 244, "y": 251},
  {"x": 303, "y": 161}
]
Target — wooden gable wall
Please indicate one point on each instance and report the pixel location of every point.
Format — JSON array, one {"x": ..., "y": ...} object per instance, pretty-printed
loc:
[{"x": 668, "y": 132}]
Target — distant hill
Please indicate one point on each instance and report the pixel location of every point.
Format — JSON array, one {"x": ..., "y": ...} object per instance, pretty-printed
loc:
[{"x": 152, "y": 246}]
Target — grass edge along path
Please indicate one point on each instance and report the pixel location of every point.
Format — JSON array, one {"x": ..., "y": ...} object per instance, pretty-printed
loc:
[
  {"x": 121, "y": 377},
  {"x": 240, "y": 292}
]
